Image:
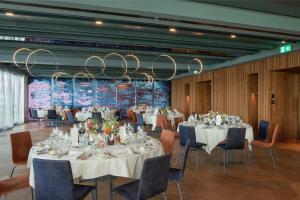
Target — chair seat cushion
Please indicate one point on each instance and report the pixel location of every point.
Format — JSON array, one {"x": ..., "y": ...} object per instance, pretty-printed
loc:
[
  {"x": 13, "y": 184},
  {"x": 174, "y": 174},
  {"x": 261, "y": 143},
  {"x": 129, "y": 190},
  {"x": 222, "y": 145},
  {"x": 197, "y": 146},
  {"x": 81, "y": 191}
]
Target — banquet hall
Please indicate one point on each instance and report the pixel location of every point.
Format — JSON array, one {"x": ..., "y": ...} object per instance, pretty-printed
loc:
[{"x": 136, "y": 99}]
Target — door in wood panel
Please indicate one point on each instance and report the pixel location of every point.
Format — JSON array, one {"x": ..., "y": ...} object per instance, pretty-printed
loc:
[
  {"x": 187, "y": 99},
  {"x": 203, "y": 97},
  {"x": 253, "y": 101}
]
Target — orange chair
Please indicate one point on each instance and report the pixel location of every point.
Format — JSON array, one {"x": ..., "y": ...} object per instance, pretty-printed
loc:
[
  {"x": 268, "y": 145},
  {"x": 134, "y": 118},
  {"x": 20, "y": 147},
  {"x": 167, "y": 138},
  {"x": 130, "y": 115},
  {"x": 162, "y": 122},
  {"x": 13, "y": 184},
  {"x": 177, "y": 120}
]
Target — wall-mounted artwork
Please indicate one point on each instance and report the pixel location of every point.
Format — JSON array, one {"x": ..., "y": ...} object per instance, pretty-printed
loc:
[{"x": 79, "y": 93}]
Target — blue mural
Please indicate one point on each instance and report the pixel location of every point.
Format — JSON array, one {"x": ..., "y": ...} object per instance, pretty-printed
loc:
[
  {"x": 62, "y": 92},
  {"x": 79, "y": 93}
]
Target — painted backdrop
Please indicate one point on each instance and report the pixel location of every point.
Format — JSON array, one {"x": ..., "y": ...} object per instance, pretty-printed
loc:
[{"x": 79, "y": 93}]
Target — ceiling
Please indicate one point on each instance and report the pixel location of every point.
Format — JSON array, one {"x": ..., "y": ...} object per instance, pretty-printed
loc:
[
  {"x": 278, "y": 7},
  {"x": 68, "y": 29}
]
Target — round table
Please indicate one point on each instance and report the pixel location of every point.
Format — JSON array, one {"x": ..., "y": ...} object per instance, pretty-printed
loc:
[
  {"x": 82, "y": 116},
  {"x": 124, "y": 163},
  {"x": 212, "y": 136},
  {"x": 151, "y": 119}
]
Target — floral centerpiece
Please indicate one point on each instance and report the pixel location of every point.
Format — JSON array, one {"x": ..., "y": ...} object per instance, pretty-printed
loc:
[
  {"x": 109, "y": 128},
  {"x": 91, "y": 126}
]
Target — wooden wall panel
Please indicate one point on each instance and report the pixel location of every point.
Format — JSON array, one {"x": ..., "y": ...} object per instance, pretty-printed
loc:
[
  {"x": 220, "y": 91},
  {"x": 230, "y": 92}
]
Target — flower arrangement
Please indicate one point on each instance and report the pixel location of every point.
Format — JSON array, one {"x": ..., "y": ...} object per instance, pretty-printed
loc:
[
  {"x": 91, "y": 126},
  {"x": 110, "y": 126}
]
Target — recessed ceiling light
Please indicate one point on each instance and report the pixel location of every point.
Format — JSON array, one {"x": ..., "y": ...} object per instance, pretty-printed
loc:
[
  {"x": 232, "y": 36},
  {"x": 9, "y": 14},
  {"x": 198, "y": 33},
  {"x": 172, "y": 30},
  {"x": 98, "y": 22},
  {"x": 283, "y": 42}
]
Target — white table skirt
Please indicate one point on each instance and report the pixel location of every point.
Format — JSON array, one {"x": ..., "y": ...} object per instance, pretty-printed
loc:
[
  {"x": 42, "y": 113},
  {"x": 213, "y": 136},
  {"x": 82, "y": 116},
  {"x": 107, "y": 115},
  {"x": 151, "y": 119},
  {"x": 126, "y": 164}
]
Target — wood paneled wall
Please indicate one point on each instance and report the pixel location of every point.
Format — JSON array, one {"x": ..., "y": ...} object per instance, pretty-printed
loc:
[{"x": 230, "y": 92}]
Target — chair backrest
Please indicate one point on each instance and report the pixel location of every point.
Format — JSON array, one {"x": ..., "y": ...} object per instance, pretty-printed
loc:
[
  {"x": 134, "y": 118},
  {"x": 162, "y": 122},
  {"x": 20, "y": 146},
  {"x": 70, "y": 118},
  {"x": 263, "y": 129},
  {"x": 184, "y": 158},
  {"x": 53, "y": 179},
  {"x": 96, "y": 115},
  {"x": 52, "y": 114},
  {"x": 235, "y": 138},
  {"x": 154, "y": 177},
  {"x": 34, "y": 114},
  {"x": 139, "y": 119},
  {"x": 275, "y": 134},
  {"x": 29, "y": 112},
  {"x": 167, "y": 138},
  {"x": 130, "y": 114},
  {"x": 178, "y": 120},
  {"x": 187, "y": 133}
]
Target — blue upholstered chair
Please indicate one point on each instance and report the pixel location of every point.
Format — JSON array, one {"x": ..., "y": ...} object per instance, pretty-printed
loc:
[
  {"x": 153, "y": 181},
  {"x": 235, "y": 141},
  {"x": 96, "y": 115},
  {"x": 33, "y": 116},
  {"x": 52, "y": 117},
  {"x": 139, "y": 119},
  {"x": 176, "y": 174},
  {"x": 262, "y": 130},
  {"x": 54, "y": 181},
  {"x": 188, "y": 133},
  {"x": 70, "y": 118}
]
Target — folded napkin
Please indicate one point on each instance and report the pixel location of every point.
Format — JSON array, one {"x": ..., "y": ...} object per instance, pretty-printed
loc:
[{"x": 40, "y": 149}]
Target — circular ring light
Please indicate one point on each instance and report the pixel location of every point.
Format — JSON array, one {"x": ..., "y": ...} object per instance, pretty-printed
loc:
[
  {"x": 172, "y": 60},
  {"x": 85, "y": 75},
  {"x": 35, "y": 51},
  {"x": 102, "y": 66},
  {"x": 15, "y": 55},
  {"x": 124, "y": 60},
  {"x": 137, "y": 62},
  {"x": 200, "y": 65},
  {"x": 56, "y": 75},
  {"x": 148, "y": 79}
]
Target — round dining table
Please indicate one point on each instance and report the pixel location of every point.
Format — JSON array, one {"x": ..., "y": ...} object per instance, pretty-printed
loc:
[
  {"x": 213, "y": 135},
  {"x": 117, "y": 160},
  {"x": 151, "y": 119}
]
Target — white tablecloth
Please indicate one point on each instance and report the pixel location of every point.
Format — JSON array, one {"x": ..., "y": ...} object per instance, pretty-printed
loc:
[
  {"x": 151, "y": 119},
  {"x": 213, "y": 136},
  {"x": 107, "y": 115},
  {"x": 82, "y": 116},
  {"x": 125, "y": 164},
  {"x": 42, "y": 113}
]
